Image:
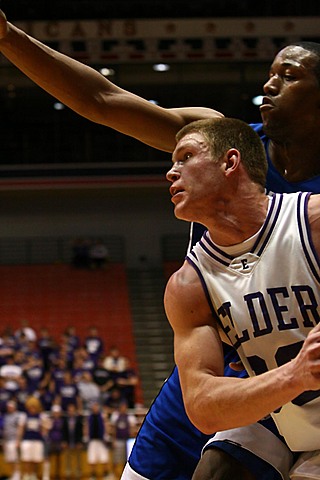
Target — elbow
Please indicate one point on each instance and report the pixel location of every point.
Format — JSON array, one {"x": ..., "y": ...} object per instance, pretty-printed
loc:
[
  {"x": 210, "y": 416},
  {"x": 202, "y": 415},
  {"x": 206, "y": 425}
]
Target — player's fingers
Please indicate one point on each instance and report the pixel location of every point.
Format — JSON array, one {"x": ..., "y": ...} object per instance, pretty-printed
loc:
[{"x": 236, "y": 366}]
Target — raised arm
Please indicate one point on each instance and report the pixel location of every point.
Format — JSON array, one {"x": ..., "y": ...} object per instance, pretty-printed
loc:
[
  {"x": 91, "y": 95},
  {"x": 214, "y": 402}
]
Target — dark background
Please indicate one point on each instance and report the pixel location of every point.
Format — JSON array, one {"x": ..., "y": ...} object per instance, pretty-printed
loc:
[
  {"x": 90, "y": 9},
  {"x": 35, "y": 134}
]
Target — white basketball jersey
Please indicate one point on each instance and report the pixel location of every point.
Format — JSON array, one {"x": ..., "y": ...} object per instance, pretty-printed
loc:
[{"x": 267, "y": 300}]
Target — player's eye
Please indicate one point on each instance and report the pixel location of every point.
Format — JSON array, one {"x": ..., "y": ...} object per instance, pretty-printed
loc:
[{"x": 288, "y": 77}]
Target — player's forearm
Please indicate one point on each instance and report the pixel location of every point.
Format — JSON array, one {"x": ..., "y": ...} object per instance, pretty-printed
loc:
[
  {"x": 191, "y": 114},
  {"x": 71, "y": 82},
  {"x": 88, "y": 93},
  {"x": 221, "y": 403}
]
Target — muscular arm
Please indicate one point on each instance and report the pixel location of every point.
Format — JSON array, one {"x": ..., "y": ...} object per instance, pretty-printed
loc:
[
  {"x": 214, "y": 402},
  {"x": 91, "y": 95}
]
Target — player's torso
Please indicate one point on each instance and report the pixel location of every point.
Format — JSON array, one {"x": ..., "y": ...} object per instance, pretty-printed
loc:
[{"x": 265, "y": 307}]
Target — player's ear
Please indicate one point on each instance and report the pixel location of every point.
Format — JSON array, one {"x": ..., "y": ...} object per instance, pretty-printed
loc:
[{"x": 232, "y": 159}]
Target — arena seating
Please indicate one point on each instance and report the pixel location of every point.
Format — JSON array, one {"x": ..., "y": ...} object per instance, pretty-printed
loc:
[{"x": 57, "y": 296}]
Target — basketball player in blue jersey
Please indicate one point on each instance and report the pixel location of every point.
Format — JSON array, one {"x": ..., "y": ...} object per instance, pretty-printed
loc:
[
  {"x": 168, "y": 446},
  {"x": 253, "y": 279}
]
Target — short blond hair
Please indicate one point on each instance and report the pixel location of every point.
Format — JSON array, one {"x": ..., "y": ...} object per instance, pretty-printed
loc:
[{"x": 221, "y": 134}]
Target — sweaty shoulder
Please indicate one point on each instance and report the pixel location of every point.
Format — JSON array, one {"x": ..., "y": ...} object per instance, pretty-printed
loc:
[{"x": 185, "y": 278}]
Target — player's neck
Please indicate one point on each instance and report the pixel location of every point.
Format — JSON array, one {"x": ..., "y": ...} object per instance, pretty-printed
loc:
[
  {"x": 239, "y": 220},
  {"x": 295, "y": 162}
]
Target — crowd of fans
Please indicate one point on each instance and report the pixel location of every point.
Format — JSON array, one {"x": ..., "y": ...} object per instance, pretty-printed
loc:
[{"x": 61, "y": 398}]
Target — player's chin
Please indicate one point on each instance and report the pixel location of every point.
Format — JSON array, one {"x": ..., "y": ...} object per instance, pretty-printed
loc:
[
  {"x": 181, "y": 213},
  {"x": 270, "y": 118},
  {"x": 265, "y": 117}
]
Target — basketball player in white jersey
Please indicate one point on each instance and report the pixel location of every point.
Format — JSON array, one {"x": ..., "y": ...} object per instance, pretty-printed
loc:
[
  {"x": 88, "y": 93},
  {"x": 252, "y": 280}
]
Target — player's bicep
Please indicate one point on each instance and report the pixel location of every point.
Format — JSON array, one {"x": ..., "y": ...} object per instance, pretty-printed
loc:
[{"x": 196, "y": 339}]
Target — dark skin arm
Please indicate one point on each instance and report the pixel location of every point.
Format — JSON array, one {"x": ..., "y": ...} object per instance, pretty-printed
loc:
[{"x": 91, "y": 95}]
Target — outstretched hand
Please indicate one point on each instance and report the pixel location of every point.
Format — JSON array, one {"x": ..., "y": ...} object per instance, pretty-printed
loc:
[{"x": 3, "y": 25}]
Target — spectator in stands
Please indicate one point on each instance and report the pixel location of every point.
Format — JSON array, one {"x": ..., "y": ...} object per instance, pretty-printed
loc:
[
  {"x": 10, "y": 372},
  {"x": 10, "y": 434},
  {"x": 93, "y": 344},
  {"x": 19, "y": 356},
  {"x": 31, "y": 349},
  {"x": 78, "y": 366},
  {"x": 25, "y": 331},
  {"x": 113, "y": 402},
  {"x": 87, "y": 361},
  {"x": 7, "y": 337},
  {"x": 88, "y": 390},
  {"x": 123, "y": 427},
  {"x": 72, "y": 338},
  {"x": 32, "y": 430},
  {"x": 7, "y": 344},
  {"x": 102, "y": 377},
  {"x": 47, "y": 396},
  {"x": 59, "y": 366},
  {"x": 80, "y": 253},
  {"x": 68, "y": 393},
  {"x": 54, "y": 439},
  {"x": 72, "y": 441},
  {"x": 98, "y": 254},
  {"x": 35, "y": 373},
  {"x": 22, "y": 344},
  {"x": 65, "y": 351},
  {"x": 46, "y": 346},
  {"x": 96, "y": 433},
  {"x": 114, "y": 362},
  {"x": 5, "y": 396},
  {"x": 22, "y": 393},
  {"x": 127, "y": 381}
]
